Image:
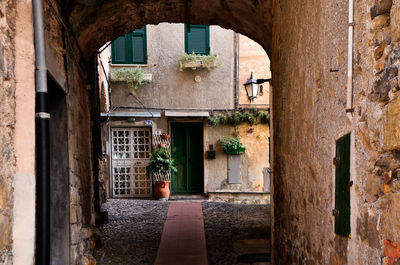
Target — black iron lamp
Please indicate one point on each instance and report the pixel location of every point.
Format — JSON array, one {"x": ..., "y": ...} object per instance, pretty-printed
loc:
[{"x": 252, "y": 86}]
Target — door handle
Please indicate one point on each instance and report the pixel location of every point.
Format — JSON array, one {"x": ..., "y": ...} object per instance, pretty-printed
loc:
[{"x": 335, "y": 212}]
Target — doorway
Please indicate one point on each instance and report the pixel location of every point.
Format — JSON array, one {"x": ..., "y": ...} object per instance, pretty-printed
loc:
[
  {"x": 187, "y": 152},
  {"x": 131, "y": 148}
]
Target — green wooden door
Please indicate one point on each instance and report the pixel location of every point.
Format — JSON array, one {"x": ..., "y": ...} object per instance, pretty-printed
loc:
[
  {"x": 342, "y": 191},
  {"x": 187, "y": 151}
]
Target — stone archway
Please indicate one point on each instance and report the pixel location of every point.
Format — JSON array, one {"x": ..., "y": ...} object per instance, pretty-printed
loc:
[{"x": 96, "y": 22}]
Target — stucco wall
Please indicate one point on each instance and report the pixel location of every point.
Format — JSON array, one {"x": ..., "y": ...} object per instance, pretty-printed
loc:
[
  {"x": 172, "y": 88},
  {"x": 255, "y": 159},
  {"x": 253, "y": 58}
]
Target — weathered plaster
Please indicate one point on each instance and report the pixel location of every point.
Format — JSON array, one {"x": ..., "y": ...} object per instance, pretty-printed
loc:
[
  {"x": 24, "y": 183},
  {"x": 171, "y": 88}
]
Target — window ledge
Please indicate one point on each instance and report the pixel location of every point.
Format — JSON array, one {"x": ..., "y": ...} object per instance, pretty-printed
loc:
[
  {"x": 147, "y": 78},
  {"x": 129, "y": 65}
]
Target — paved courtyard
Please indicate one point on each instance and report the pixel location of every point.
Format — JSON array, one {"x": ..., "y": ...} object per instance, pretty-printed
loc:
[{"x": 133, "y": 232}]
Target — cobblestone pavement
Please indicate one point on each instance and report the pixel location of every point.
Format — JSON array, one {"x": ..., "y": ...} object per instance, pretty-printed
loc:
[
  {"x": 133, "y": 232},
  {"x": 231, "y": 227}
]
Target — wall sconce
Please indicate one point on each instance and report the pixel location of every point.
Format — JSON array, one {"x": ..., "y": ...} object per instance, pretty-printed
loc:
[{"x": 252, "y": 86}]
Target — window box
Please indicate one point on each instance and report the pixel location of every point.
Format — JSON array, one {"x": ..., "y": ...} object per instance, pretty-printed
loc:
[
  {"x": 196, "y": 61},
  {"x": 147, "y": 78}
]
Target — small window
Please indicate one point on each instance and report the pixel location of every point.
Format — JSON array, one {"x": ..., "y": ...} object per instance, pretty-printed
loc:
[
  {"x": 342, "y": 186},
  {"x": 197, "y": 40},
  {"x": 130, "y": 48}
]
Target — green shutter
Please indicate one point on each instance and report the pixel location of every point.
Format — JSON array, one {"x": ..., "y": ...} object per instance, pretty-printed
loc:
[
  {"x": 197, "y": 40},
  {"x": 119, "y": 50},
  {"x": 342, "y": 191},
  {"x": 130, "y": 48},
  {"x": 138, "y": 42}
]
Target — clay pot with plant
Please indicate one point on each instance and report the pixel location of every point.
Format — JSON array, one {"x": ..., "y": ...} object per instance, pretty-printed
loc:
[{"x": 161, "y": 165}]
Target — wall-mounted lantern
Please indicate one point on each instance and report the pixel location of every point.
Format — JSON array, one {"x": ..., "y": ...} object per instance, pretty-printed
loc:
[{"x": 252, "y": 86}]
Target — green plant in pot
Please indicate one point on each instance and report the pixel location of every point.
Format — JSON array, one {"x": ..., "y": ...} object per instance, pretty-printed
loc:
[
  {"x": 232, "y": 146},
  {"x": 161, "y": 164}
]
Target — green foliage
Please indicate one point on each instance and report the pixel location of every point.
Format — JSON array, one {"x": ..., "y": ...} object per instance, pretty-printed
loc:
[
  {"x": 236, "y": 118},
  {"x": 222, "y": 119},
  {"x": 264, "y": 117},
  {"x": 132, "y": 76},
  {"x": 252, "y": 117},
  {"x": 209, "y": 61},
  {"x": 161, "y": 162},
  {"x": 212, "y": 121},
  {"x": 249, "y": 117},
  {"x": 232, "y": 146},
  {"x": 255, "y": 112}
]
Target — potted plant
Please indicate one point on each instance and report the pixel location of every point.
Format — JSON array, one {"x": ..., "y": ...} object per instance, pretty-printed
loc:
[
  {"x": 232, "y": 146},
  {"x": 161, "y": 165}
]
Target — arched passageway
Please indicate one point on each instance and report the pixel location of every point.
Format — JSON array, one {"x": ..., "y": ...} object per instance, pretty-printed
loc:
[
  {"x": 307, "y": 42},
  {"x": 96, "y": 22}
]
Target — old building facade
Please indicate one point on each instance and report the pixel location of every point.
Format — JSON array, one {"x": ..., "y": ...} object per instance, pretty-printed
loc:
[
  {"x": 185, "y": 103},
  {"x": 307, "y": 42}
]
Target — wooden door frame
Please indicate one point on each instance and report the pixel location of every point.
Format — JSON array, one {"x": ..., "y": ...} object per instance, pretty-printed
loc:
[{"x": 189, "y": 120}]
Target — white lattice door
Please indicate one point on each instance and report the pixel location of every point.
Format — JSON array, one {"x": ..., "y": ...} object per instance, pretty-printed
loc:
[{"x": 131, "y": 148}]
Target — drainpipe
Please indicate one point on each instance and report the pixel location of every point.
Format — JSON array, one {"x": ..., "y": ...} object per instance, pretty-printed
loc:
[
  {"x": 42, "y": 118},
  {"x": 349, "y": 101}
]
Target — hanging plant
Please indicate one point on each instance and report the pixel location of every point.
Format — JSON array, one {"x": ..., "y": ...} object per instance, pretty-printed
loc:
[
  {"x": 235, "y": 118},
  {"x": 252, "y": 117},
  {"x": 194, "y": 61},
  {"x": 232, "y": 146},
  {"x": 132, "y": 76},
  {"x": 249, "y": 117},
  {"x": 264, "y": 117}
]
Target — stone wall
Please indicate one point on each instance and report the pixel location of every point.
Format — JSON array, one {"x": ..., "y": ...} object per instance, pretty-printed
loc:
[
  {"x": 309, "y": 70},
  {"x": 7, "y": 125},
  {"x": 64, "y": 64}
]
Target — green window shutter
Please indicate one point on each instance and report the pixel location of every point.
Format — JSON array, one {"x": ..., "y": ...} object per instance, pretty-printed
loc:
[
  {"x": 342, "y": 191},
  {"x": 118, "y": 48},
  {"x": 197, "y": 40},
  {"x": 130, "y": 48},
  {"x": 138, "y": 41}
]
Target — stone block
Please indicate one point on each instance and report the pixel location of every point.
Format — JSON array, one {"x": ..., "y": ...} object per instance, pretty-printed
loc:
[
  {"x": 5, "y": 231},
  {"x": 391, "y": 127},
  {"x": 366, "y": 228},
  {"x": 395, "y": 21},
  {"x": 73, "y": 215},
  {"x": 88, "y": 260},
  {"x": 390, "y": 216},
  {"x": 380, "y": 22},
  {"x": 392, "y": 250},
  {"x": 380, "y": 7}
]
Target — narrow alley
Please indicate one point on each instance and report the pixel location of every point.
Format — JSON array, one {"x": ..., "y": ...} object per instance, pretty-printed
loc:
[{"x": 233, "y": 231}]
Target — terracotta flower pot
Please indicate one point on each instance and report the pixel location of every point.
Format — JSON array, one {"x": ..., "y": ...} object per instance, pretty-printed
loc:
[
  {"x": 161, "y": 190},
  {"x": 165, "y": 136}
]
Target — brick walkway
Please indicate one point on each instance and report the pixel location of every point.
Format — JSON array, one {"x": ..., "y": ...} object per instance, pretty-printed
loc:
[{"x": 183, "y": 239}]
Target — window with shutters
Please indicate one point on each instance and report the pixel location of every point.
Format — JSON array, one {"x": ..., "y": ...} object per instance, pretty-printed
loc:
[
  {"x": 130, "y": 48},
  {"x": 197, "y": 40}
]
